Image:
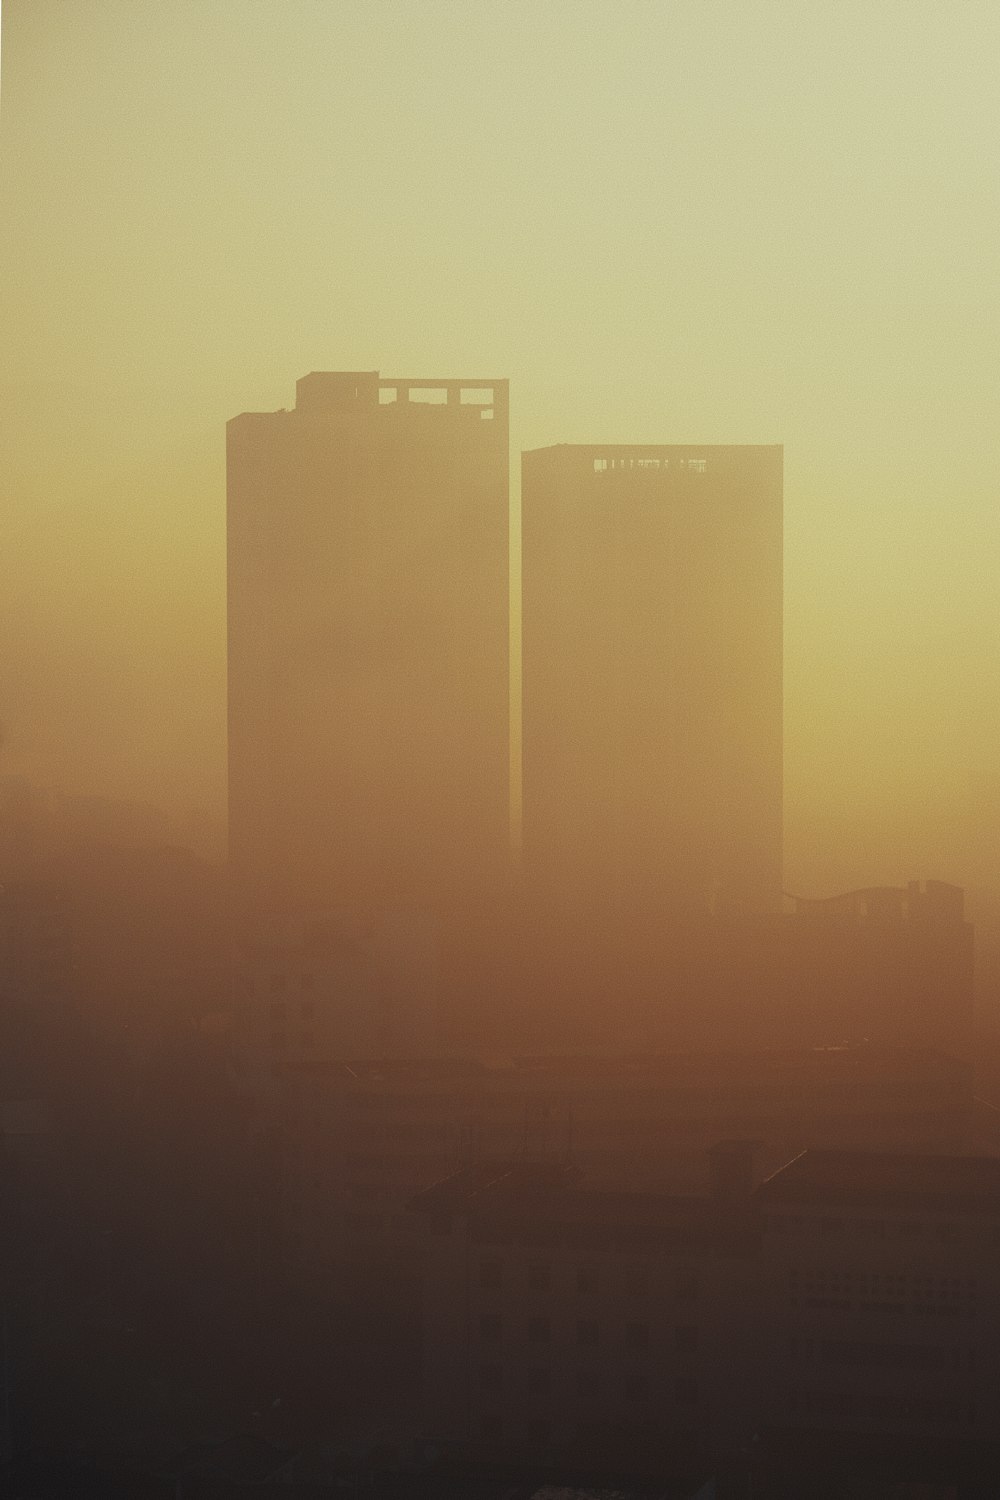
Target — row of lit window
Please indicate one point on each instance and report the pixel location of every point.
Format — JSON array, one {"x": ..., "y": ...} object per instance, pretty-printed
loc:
[{"x": 654, "y": 465}]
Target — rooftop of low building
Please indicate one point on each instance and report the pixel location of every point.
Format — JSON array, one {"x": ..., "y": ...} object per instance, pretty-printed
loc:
[{"x": 948, "y": 1183}]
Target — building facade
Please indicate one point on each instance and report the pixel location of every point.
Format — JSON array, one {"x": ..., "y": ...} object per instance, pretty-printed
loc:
[
  {"x": 881, "y": 1294},
  {"x": 356, "y": 1141},
  {"x": 841, "y": 1317},
  {"x": 652, "y": 622},
  {"x": 652, "y": 684},
  {"x": 368, "y": 661},
  {"x": 599, "y": 1330}
]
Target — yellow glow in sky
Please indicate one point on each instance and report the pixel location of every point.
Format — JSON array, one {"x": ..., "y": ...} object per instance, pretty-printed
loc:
[{"x": 670, "y": 222}]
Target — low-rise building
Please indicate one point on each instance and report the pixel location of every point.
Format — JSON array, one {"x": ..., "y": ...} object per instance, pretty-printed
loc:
[
  {"x": 881, "y": 1291},
  {"x": 606, "y": 1329},
  {"x": 851, "y": 1301},
  {"x": 355, "y": 1142}
]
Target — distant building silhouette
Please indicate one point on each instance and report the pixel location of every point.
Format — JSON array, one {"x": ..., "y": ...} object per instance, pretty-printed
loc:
[
  {"x": 36, "y": 949},
  {"x": 359, "y": 1138},
  {"x": 890, "y": 964},
  {"x": 368, "y": 659},
  {"x": 652, "y": 679}
]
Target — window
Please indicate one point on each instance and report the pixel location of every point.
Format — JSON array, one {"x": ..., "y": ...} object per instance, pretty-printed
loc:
[
  {"x": 587, "y": 1333},
  {"x": 490, "y": 1275},
  {"x": 686, "y": 1339},
  {"x": 538, "y": 1330},
  {"x": 587, "y": 1281},
  {"x": 588, "y": 1383},
  {"x": 637, "y": 1388},
  {"x": 277, "y": 1010},
  {"x": 307, "y": 1010},
  {"x": 538, "y": 1379},
  {"x": 490, "y": 1328},
  {"x": 637, "y": 1337},
  {"x": 490, "y": 1428},
  {"x": 539, "y": 1277},
  {"x": 539, "y": 1430},
  {"x": 490, "y": 1378},
  {"x": 686, "y": 1391}
]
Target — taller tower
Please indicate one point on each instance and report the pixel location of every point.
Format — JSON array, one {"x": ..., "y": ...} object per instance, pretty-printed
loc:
[
  {"x": 368, "y": 649},
  {"x": 652, "y": 679}
]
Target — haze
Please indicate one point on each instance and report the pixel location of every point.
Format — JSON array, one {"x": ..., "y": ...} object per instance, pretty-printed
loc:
[{"x": 664, "y": 222}]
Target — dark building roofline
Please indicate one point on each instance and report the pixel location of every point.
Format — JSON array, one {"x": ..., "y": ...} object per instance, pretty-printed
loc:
[{"x": 965, "y": 1184}]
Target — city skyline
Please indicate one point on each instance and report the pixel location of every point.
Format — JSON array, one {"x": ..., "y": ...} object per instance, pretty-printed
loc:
[
  {"x": 499, "y": 902},
  {"x": 788, "y": 241}
]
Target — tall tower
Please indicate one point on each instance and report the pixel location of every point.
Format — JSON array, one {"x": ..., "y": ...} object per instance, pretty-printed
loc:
[
  {"x": 652, "y": 680},
  {"x": 368, "y": 656}
]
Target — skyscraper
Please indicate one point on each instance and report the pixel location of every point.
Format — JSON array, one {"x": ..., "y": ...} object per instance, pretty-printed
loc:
[
  {"x": 652, "y": 681},
  {"x": 368, "y": 653}
]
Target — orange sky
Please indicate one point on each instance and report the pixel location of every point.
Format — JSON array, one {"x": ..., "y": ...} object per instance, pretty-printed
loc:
[{"x": 773, "y": 222}]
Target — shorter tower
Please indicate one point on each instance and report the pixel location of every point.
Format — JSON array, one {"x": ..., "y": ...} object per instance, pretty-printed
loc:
[{"x": 652, "y": 681}]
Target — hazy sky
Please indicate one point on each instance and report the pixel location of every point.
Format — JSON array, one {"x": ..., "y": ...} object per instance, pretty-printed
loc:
[{"x": 700, "y": 221}]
